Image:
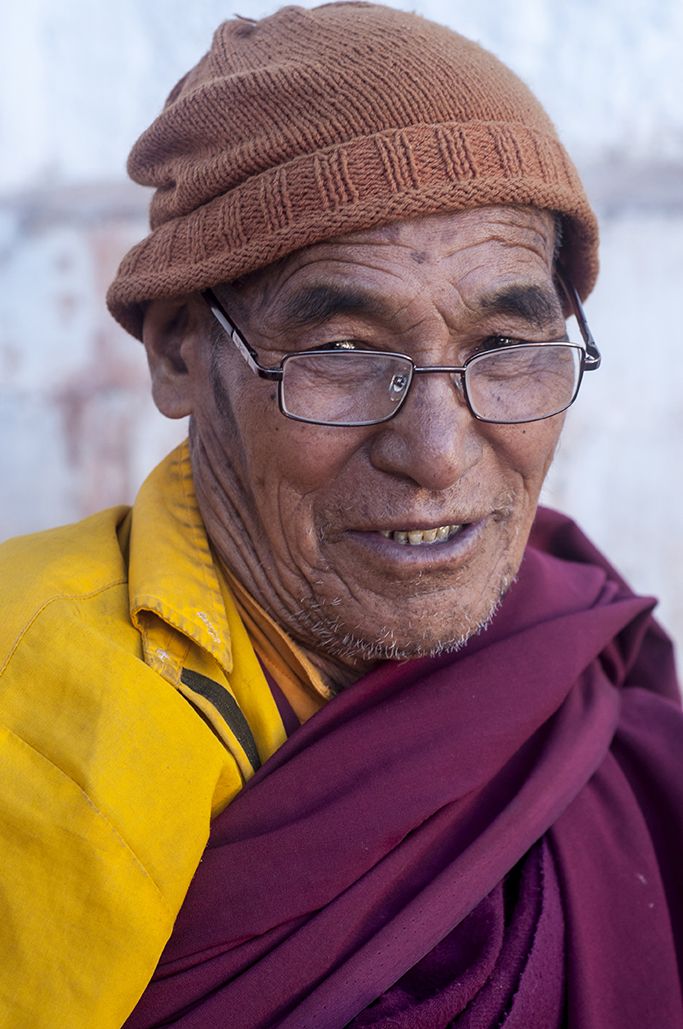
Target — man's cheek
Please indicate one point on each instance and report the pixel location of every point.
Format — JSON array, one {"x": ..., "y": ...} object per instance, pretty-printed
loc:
[
  {"x": 531, "y": 455},
  {"x": 303, "y": 465}
]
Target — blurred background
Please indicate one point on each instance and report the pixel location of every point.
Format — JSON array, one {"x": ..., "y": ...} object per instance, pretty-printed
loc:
[{"x": 80, "y": 80}]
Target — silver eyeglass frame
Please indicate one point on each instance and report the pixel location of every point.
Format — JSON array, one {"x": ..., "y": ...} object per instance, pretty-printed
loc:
[{"x": 591, "y": 361}]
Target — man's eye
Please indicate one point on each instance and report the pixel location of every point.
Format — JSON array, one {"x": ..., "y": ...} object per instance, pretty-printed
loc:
[
  {"x": 344, "y": 345},
  {"x": 497, "y": 343},
  {"x": 341, "y": 344}
]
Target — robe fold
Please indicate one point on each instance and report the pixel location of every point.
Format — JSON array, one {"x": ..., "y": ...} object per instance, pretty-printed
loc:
[{"x": 490, "y": 837}]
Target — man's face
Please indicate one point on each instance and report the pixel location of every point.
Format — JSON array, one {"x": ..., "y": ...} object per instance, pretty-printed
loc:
[{"x": 307, "y": 515}]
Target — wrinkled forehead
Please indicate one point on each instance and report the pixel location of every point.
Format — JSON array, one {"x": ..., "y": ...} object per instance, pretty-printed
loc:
[{"x": 475, "y": 251}]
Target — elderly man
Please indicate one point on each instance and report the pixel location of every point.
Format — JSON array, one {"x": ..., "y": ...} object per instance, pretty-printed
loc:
[{"x": 333, "y": 726}]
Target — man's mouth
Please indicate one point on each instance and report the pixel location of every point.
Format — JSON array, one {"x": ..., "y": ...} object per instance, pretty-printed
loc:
[
  {"x": 429, "y": 548},
  {"x": 418, "y": 537}
]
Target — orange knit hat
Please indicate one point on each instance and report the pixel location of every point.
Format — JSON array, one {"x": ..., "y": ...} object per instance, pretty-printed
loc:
[{"x": 313, "y": 123}]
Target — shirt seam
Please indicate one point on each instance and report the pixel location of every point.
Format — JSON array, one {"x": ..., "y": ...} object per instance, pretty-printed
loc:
[
  {"x": 97, "y": 811},
  {"x": 51, "y": 600}
]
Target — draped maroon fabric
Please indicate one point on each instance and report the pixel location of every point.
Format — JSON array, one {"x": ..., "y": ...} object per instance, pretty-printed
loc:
[{"x": 492, "y": 837}]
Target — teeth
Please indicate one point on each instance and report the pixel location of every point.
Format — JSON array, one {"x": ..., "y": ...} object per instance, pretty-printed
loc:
[{"x": 415, "y": 537}]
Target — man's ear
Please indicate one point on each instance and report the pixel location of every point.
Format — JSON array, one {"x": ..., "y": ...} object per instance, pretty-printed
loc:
[{"x": 171, "y": 334}]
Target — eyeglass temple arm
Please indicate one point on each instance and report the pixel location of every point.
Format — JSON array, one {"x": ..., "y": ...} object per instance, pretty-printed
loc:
[
  {"x": 593, "y": 357},
  {"x": 245, "y": 350}
]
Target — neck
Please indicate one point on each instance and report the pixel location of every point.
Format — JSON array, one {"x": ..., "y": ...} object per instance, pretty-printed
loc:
[{"x": 226, "y": 521}]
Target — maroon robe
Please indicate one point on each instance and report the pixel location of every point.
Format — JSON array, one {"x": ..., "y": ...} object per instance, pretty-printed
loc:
[{"x": 492, "y": 837}]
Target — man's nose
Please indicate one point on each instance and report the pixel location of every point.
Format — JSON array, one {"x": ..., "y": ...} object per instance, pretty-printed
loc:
[{"x": 434, "y": 439}]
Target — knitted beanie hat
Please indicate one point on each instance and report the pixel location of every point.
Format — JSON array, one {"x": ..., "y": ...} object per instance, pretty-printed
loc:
[{"x": 314, "y": 123}]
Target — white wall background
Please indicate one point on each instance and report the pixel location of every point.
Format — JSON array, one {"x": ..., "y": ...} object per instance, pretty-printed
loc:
[{"x": 79, "y": 81}]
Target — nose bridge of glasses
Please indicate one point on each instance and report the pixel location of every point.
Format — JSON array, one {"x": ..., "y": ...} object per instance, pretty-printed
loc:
[{"x": 437, "y": 388}]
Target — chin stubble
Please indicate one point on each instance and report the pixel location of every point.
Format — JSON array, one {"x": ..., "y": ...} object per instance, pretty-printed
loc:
[{"x": 330, "y": 636}]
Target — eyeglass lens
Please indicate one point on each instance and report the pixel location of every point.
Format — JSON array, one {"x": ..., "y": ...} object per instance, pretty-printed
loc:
[
  {"x": 524, "y": 383},
  {"x": 515, "y": 384},
  {"x": 344, "y": 387}
]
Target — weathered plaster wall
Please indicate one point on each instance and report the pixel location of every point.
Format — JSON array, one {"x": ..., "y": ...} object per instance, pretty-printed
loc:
[{"x": 78, "y": 81}]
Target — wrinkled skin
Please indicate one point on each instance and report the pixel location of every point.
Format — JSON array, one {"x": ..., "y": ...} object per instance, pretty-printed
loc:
[{"x": 296, "y": 510}]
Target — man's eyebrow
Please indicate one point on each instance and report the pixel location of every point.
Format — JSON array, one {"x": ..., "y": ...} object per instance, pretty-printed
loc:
[
  {"x": 536, "y": 304},
  {"x": 317, "y": 303}
]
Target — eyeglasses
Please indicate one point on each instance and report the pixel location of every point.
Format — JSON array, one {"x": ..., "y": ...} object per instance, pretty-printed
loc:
[{"x": 507, "y": 383}]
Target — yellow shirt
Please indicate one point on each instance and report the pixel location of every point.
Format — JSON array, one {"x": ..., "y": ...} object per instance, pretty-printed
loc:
[{"x": 132, "y": 710}]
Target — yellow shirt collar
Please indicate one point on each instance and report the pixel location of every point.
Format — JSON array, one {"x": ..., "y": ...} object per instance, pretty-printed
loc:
[
  {"x": 177, "y": 594},
  {"x": 171, "y": 572}
]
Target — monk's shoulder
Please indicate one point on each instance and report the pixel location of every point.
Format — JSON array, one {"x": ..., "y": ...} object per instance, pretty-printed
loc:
[
  {"x": 650, "y": 732},
  {"x": 59, "y": 568}
]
